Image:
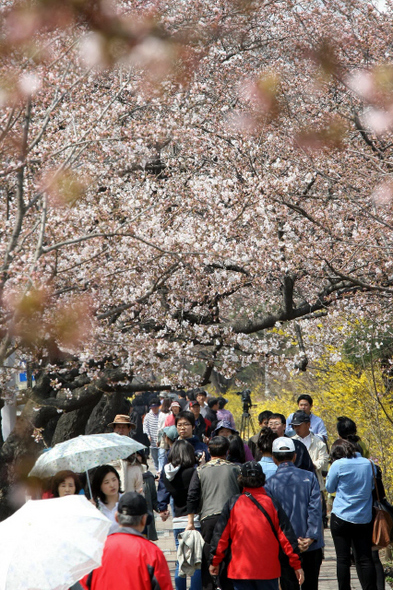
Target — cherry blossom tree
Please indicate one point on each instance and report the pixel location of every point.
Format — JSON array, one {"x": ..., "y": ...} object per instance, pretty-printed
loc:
[{"x": 179, "y": 179}]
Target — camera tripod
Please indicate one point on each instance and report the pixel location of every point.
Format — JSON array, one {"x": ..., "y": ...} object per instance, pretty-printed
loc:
[{"x": 245, "y": 425}]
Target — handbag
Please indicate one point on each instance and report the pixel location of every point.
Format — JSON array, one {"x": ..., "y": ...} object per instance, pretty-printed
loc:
[{"x": 382, "y": 521}]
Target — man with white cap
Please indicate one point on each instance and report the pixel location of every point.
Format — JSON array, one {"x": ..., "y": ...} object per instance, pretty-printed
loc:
[{"x": 298, "y": 492}]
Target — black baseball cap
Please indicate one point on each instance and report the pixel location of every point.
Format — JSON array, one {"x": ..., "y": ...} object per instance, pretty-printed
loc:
[
  {"x": 251, "y": 469},
  {"x": 299, "y": 417},
  {"x": 132, "y": 504}
]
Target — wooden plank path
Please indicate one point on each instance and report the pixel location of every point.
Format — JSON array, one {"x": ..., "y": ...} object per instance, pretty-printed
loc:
[{"x": 327, "y": 578}]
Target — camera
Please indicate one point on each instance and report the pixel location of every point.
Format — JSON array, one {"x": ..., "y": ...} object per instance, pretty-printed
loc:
[{"x": 246, "y": 399}]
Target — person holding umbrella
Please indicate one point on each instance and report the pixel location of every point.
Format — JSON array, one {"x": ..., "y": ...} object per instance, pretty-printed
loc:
[
  {"x": 84, "y": 452},
  {"x": 65, "y": 483},
  {"x": 106, "y": 492}
]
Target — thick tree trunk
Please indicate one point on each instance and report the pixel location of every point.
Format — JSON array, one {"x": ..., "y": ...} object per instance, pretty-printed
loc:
[
  {"x": 51, "y": 416},
  {"x": 104, "y": 412}
]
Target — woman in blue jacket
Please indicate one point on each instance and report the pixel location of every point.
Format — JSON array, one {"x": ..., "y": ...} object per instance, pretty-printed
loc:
[{"x": 351, "y": 477}]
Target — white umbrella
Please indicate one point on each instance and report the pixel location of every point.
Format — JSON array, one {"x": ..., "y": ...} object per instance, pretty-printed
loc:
[
  {"x": 51, "y": 544},
  {"x": 85, "y": 452}
]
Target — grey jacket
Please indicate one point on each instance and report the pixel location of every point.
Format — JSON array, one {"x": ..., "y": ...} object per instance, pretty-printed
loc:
[{"x": 211, "y": 486}]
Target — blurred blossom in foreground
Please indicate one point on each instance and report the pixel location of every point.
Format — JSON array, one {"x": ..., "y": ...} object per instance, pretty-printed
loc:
[
  {"x": 241, "y": 122},
  {"x": 383, "y": 193},
  {"x": 29, "y": 84},
  {"x": 377, "y": 120},
  {"x": 92, "y": 50},
  {"x": 361, "y": 83}
]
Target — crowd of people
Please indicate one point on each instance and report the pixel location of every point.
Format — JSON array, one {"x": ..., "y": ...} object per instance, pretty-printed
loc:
[{"x": 245, "y": 515}]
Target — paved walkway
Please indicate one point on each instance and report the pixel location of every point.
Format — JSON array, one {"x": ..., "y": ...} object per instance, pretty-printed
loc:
[
  {"x": 327, "y": 578},
  {"x": 166, "y": 543}
]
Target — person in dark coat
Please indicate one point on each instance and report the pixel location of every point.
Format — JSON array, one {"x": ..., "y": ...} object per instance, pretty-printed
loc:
[
  {"x": 263, "y": 420},
  {"x": 176, "y": 477},
  {"x": 211, "y": 486},
  {"x": 202, "y": 425},
  {"x": 299, "y": 495},
  {"x": 211, "y": 412},
  {"x": 150, "y": 493}
]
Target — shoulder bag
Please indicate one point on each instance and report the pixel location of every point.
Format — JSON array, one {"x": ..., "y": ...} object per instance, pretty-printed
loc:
[{"x": 382, "y": 521}]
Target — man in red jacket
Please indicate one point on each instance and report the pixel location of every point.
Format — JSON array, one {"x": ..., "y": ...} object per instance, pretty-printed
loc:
[
  {"x": 130, "y": 561},
  {"x": 254, "y": 529}
]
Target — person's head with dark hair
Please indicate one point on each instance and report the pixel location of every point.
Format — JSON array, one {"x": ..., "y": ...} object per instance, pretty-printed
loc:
[
  {"x": 277, "y": 423},
  {"x": 195, "y": 408},
  {"x": 236, "y": 452},
  {"x": 141, "y": 458},
  {"x": 166, "y": 405},
  {"x": 105, "y": 484},
  {"x": 185, "y": 422},
  {"x": 213, "y": 403},
  {"x": 65, "y": 483},
  {"x": 251, "y": 475},
  {"x": 283, "y": 450},
  {"x": 222, "y": 402},
  {"x": 200, "y": 396},
  {"x": 265, "y": 441},
  {"x": 346, "y": 429},
  {"x": 342, "y": 449},
  {"x": 304, "y": 403},
  {"x": 182, "y": 454},
  {"x": 181, "y": 393},
  {"x": 154, "y": 405},
  {"x": 190, "y": 395},
  {"x": 263, "y": 418},
  {"x": 218, "y": 447}
]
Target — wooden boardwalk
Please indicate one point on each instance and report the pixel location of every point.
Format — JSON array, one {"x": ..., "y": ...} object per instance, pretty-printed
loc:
[{"x": 327, "y": 578}]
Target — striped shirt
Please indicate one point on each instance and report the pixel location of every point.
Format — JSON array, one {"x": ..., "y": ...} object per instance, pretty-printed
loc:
[{"x": 150, "y": 426}]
